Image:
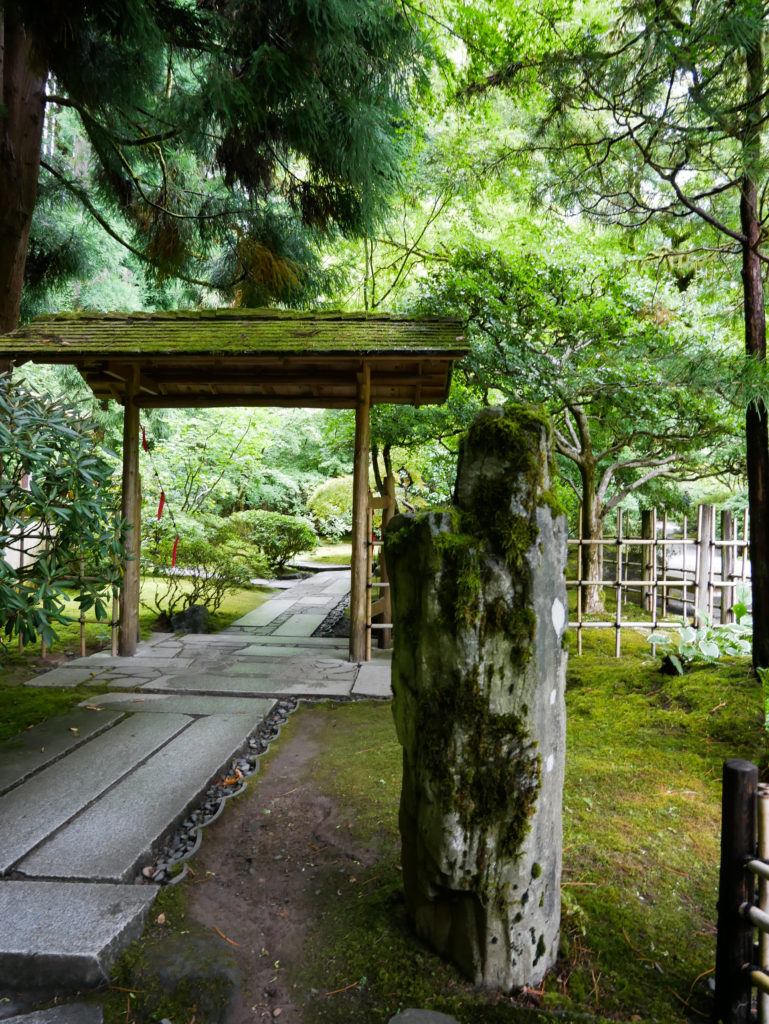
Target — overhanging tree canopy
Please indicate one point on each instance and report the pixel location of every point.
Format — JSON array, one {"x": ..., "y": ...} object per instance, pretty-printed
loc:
[{"x": 215, "y": 131}]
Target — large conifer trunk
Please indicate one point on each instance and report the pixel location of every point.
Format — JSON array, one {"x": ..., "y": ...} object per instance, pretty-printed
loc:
[
  {"x": 755, "y": 345},
  {"x": 21, "y": 128},
  {"x": 756, "y": 430}
]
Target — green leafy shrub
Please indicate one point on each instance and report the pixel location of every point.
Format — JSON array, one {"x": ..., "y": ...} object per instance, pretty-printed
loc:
[
  {"x": 56, "y": 496},
  {"x": 330, "y": 505},
  {"x": 278, "y": 537},
  {"x": 706, "y": 643},
  {"x": 206, "y": 569}
]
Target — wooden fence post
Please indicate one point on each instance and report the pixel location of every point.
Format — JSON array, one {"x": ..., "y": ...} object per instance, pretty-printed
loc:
[{"x": 734, "y": 945}]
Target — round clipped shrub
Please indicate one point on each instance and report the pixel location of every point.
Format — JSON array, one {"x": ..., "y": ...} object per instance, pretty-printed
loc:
[
  {"x": 277, "y": 536},
  {"x": 330, "y": 505}
]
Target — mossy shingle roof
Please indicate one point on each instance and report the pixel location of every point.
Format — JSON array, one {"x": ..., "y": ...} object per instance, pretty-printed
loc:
[{"x": 248, "y": 357}]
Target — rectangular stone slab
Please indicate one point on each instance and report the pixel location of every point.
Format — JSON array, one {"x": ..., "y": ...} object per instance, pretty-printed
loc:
[
  {"x": 172, "y": 703},
  {"x": 300, "y": 625},
  {"x": 373, "y": 680},
  {"x": 113, "y": 838},
  {"x": 65, "y": 676},
  {"x": 265, "y": 613},
  {"x": 55, "y": 934},
  {"x": 340, "y": 643},
  {"x": 34, "y": 749},
  {"x": 149, "y": 659},
  {"x": 232, "y": 686},
  {"x": 31, "y": 812}
]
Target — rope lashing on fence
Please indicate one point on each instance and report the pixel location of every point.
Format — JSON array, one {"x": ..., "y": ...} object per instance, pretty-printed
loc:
[{"x": 162, "y": 499}]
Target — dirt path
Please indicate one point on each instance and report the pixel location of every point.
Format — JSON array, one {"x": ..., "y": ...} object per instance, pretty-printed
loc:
[{"x": 265, "y": 867}]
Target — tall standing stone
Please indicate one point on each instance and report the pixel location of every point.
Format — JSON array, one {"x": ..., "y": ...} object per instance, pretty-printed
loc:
[{"x": 479, "y": 609}]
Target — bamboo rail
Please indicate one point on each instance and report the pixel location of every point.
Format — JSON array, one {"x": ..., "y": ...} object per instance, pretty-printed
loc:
[
  {"x": 743, "y": 907},
  {"x": 661, "y": 583}
]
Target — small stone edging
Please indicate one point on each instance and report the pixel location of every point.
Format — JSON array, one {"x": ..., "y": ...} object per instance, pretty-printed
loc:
[{"x": 186, "y": 840}]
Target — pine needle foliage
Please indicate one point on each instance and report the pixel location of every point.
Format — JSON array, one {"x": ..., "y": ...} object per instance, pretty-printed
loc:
[{"x": 225, "y": 137}]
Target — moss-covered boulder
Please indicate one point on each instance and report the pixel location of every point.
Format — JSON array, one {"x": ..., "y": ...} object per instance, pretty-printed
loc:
[{"x": 479, "y": 610}]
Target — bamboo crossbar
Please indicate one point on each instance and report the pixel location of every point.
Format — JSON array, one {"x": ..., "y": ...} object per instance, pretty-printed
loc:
[
  {"x": 758, "y": 918},
  {"x": 758, "y": 867},
  {"x": 760, "y": 979}
]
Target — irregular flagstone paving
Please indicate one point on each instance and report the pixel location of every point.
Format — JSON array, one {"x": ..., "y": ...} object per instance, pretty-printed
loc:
[{"x": 86, "y": 798}]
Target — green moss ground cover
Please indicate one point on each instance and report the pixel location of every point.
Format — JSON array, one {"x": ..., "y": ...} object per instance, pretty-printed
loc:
[
  {"x": 22, "y": 707},
  {"x": 641, "y": 834}
]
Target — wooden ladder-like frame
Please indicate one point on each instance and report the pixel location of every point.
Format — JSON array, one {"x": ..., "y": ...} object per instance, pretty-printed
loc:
[{"x": 383, "y": 605}]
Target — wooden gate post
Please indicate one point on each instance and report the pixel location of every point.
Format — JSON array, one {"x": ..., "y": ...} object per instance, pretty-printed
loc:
[
  {"x": 358, "y": 590},
  {"x": 128, "y": 632},
  {"x": 734, "y": 945}
]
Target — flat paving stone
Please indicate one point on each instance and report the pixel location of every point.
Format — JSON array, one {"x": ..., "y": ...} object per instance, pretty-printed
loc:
[
  {"x": 56, "y": 934},
  {"x": 130, "y": 665},
  {"x": 64, "y": 676},
  {"x": 172, "y": 703},
  {"x": 296, "y": 667},
  {"x": 122, "y": 681},
  {"x": 35, "y": 748},
  {"x": 68, "y": 1013},
  {"x": 112, "y": 839},
  {"x": 373, "y": 680},
  {"x": 266, "y": 651},
  {"x": 341, "y": 643},
  {"x": 299, "y": 625},
  {"x": 265, "y": 613},
  {"x": 31, "y": 812},
  {"x": 255, "y": 687}
]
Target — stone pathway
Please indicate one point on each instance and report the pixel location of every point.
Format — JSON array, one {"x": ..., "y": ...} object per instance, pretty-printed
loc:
[{"x": 86, "y": 798}]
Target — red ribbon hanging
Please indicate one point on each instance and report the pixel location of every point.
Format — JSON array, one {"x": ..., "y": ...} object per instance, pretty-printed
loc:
[
  {"x": 173, "y": 553},
  {"x": 144, "y": 441},
  {"x": 162, "y": 503}
]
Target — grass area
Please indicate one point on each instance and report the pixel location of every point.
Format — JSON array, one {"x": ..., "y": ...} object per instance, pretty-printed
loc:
[
  {"x": 22, "y": 707},
  {"x": 641, "y": 848},
  {"x": 330, "y": 554}
]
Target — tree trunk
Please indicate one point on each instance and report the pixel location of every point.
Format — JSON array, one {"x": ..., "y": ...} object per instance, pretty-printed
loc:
[
  {"x": 592, "y": 553},
  {"x": 22, "y": 80},
  {"x": 755, "y": 346}
]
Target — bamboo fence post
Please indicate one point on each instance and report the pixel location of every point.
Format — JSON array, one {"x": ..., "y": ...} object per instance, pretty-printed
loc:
[
  {"x": 734, "y": 946},
  {"x": 654, "y": 591},
  {"x": 728, "y": 558},
  {"x": 664, "y": 564},
  {"x": 745, "y": 524},
  {"x": 711, "y": 562},
  {"x": 579, "y": 582},
  {"x": 82, "y": 613},
  {"x": 21, "y": 566},
  {"x": 763, "y": 896},
  {"x": 618, "y": 584},
  {"x": 685, "y": 550},
  {"x": 646, "y": 558}
]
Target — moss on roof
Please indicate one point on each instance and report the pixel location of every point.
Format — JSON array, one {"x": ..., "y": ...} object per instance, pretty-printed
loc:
[{"x": 230, "y": 331}]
